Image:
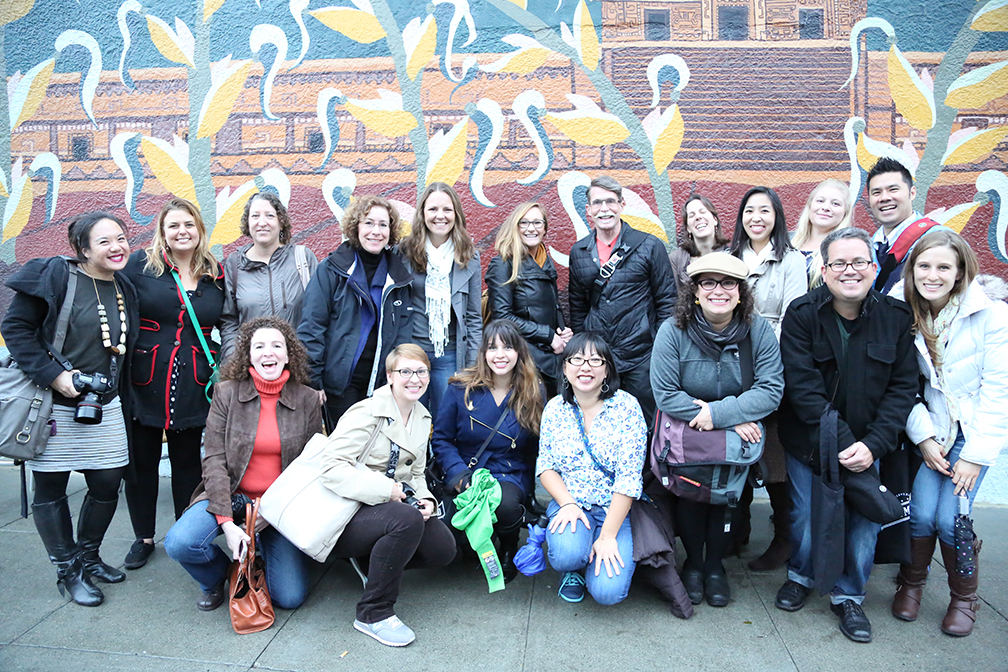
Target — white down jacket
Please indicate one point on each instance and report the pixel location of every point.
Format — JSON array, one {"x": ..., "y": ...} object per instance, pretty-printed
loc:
[{"x": 976, "y": 372}]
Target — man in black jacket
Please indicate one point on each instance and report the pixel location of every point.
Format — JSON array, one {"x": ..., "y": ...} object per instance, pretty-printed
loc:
[
  {"x": 844, "y": 346},
  {"x": 621, "y": 285}
]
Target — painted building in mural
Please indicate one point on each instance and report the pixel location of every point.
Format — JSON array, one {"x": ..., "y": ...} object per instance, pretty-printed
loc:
[{"x": 118, "y": 103}]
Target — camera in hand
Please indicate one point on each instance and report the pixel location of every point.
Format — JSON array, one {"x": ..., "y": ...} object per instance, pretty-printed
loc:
[
  {"x": 411, "y": 497},
  {"x": 92, "y": 386}
]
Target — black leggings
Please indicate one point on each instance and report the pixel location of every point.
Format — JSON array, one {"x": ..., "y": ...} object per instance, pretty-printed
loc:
[
  {"x": 103, "y": 484},
  {"x": 699, "y": 526},
  {"x": 396, "y": 538},
  {"x": 187, "y": 473}
]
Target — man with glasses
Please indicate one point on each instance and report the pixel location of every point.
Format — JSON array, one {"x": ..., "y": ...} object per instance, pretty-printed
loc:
[
  {"x": 846, "y": 347},
  {"x": 890, "y": 196},
  {"x": 622, "y": 286}
]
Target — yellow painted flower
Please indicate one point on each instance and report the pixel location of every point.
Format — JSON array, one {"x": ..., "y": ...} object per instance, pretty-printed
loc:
[
  {"x": 360, "y": 24},
  {"x": 979, "y": 87},
  {"x": 226, "y": 80},
  {"x": 665, "y": 131},
  {"x": 972, "y": 146},
  {"x": 176, "y": 45},
  {"x": 447, "y": 154},
  {"x": 588, "y": 124},
  {"x": 530, "y": 56}
]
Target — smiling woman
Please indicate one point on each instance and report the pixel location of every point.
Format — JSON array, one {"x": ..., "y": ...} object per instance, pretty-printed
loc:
[{"x": 357, "y": 307}]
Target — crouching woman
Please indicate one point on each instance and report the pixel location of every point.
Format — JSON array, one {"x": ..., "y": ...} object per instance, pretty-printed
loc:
[
  {"x": 261, "y": 417},
  {"x": 395, "y": 527}
]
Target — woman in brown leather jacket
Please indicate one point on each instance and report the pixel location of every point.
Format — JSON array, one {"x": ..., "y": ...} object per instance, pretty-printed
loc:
[{"x": 261, "y": 417}]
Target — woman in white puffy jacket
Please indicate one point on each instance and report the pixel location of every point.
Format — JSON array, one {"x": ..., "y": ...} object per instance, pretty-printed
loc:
[{"x": 961, "y": 425}]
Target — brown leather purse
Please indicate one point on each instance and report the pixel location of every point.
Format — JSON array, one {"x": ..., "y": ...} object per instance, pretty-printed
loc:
[{"x": 250, "y": 605}]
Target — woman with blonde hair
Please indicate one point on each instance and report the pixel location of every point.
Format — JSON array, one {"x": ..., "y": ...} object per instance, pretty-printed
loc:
[
  {"x": 267, "y": 276},
  {"x": 960, "y": 427},
  {"x": 498, "y": 404},
  {"x": 357, "y": 307},
  {"x": 522, "y": 287},
  {"x": 181, "y": 289},
  {"x": 447, "y": 316},
  {"x": 829, "y": 207}
]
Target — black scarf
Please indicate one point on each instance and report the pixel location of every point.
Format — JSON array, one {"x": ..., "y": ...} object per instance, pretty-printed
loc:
[{"x": 712, "y": 341}]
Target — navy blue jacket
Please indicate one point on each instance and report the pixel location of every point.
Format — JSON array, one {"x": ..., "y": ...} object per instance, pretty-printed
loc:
[{"x": 459, "y": 431}]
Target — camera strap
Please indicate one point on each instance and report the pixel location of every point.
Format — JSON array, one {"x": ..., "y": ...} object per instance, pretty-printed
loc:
[{"x": 199, "y": 334}]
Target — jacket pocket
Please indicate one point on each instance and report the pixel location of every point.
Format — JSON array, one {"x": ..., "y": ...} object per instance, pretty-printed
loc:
[
  {"x": 822, "y": 352},
  {"x": 149, "y": 325},
  {"x": 142, "y": 366},
  {"x": 201, "y": 368},
  {"x": 881, "y": 352}
]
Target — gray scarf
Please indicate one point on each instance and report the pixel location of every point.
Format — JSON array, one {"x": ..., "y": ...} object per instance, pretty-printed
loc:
[{"x": 712, "y": 341}]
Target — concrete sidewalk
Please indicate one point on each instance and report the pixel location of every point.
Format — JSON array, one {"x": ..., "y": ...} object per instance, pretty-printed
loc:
[{"x": 150, "y": 622}]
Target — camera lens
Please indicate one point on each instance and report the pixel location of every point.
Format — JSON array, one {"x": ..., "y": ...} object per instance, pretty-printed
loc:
[{"x": 89, "y": 410}]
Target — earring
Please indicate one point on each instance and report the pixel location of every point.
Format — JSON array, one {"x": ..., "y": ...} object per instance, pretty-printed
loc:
[
  {"x": 605, "y": 387},
  {"x": 564, "y": 382},
  {"x": 696, "y": 301}
]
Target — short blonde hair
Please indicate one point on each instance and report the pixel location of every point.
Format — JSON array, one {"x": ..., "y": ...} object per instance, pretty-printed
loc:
[{"x": 405, "y": 351}]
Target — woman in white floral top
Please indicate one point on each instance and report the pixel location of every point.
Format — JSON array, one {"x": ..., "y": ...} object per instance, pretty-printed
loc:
[{"x": 592, "y": 444}]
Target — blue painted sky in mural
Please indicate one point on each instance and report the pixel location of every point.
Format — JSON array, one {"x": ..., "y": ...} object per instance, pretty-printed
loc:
[
  {"x": 30, "y": 39},
  {"x": 927, "y": 25}
]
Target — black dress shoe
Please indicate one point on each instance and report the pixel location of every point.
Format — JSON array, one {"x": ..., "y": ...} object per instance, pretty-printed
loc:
[
  {"x": 853, "y": 622},
  {"x": 693, "y": 581},
  {"x": 138, "y": 554},
  {"x": 791, "y": 596},
  {"x": 716, "y": 590},
  {"x": 212, "y": 598}
]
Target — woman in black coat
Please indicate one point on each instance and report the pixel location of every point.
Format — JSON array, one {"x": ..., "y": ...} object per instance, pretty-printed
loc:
[
  {"x": 357, "y": 308},
  {"x": 101, "y": 329},
  {"x": 522, "y": 287},
  {"x": 171, "y": 371}
]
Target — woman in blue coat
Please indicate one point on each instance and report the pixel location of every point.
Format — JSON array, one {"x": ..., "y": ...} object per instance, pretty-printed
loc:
[{"x": 503, "y": 383}]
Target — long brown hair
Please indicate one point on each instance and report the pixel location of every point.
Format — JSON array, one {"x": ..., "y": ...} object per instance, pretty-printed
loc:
[
  {"x": 414, "y": 246},
  {"x": 509, "y": 244},
  {"x": 203, "y": 262},
  {"x": 237, "y": 365},
  {"x": 526, "y": 394},
  {"x": 686, "y": 241},
  {"x": 967, "y": 269}
]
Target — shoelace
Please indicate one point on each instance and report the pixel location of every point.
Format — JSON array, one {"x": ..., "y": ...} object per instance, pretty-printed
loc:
[{"x": 572, "y": 579}]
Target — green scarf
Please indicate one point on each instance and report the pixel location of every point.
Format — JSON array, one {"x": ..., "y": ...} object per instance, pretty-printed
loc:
[{"x": 475, "y": 516}]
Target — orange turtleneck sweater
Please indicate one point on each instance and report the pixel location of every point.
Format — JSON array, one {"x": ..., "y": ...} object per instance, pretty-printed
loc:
[{"x": 264, "y": 464}]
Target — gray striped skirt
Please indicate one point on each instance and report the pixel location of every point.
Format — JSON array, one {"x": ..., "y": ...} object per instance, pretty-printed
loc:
[{"x": 77, "y": 447}]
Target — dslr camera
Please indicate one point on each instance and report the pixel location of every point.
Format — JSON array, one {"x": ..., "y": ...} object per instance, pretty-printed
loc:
[
  {"x": 411, "y": 497},
  {"x": 92, "y": 386}
]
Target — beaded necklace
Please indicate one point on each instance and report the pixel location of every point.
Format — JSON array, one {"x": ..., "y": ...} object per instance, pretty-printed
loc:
[{"x": 103, "y": 318}]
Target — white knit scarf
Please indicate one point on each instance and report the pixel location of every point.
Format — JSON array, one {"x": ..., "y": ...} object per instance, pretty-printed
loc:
[{"x": 437, "y": 288}]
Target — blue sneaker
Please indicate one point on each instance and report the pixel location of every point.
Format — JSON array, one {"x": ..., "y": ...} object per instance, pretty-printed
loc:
[{"x": 572, "y": 587}]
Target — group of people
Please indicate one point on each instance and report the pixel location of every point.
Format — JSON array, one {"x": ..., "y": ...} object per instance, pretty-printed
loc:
[{"x": 383, "y": 344}]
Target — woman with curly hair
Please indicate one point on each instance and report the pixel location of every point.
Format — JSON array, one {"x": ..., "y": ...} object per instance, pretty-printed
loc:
[
  {"x": 267, "y": 276},
  {"x": 700, "y": 234},
  {"x": 447, "y": 317},
  {"x": 522, "y": 287},
  {"x": 261, "y": 417},
  {"x": 358, "y": 306},
  {"x": 171, "y": 371},
  {"x": 503, "y": 382}
]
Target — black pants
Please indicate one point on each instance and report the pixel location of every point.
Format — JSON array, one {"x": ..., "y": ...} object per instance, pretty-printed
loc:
[
  {"x": 701, "y": 527},
  {"x": 510, "y": 516},
  {"x": 103, "y": 484},
  {"x": 187, "y": 473},
  {"x": 396, "y": 538},
  {"x": 637, "y": 381}
]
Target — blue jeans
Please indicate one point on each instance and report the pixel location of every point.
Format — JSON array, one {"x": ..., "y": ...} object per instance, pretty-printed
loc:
[
  {"x": 442, "y": 368},
  {"x": 190, "y": 542},
  {"x": 859, "y": 546},
  {"x": 569, "y": 551},
  {"x": 933, "y": 504}
]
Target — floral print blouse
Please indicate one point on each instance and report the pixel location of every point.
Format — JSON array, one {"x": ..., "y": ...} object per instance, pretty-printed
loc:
[{"x": 618, "y": 439}]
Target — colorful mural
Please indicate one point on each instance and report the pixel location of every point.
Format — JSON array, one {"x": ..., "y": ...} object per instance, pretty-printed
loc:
[{"x": 117, "y": 104}]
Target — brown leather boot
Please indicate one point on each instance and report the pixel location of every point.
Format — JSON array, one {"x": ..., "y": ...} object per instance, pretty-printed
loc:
[
  {"x": 779, "y": 551},
  {"x": 963, "y": 607},
  {"x": 911, "y": 578}
]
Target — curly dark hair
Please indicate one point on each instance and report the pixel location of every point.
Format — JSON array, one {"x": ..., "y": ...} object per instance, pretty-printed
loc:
[
  {"x": 686, "y": 303},
  {"x": 355, "y": 214},
  {"x": 281, "y": 211},
  {"x": 237, "y": 366}
]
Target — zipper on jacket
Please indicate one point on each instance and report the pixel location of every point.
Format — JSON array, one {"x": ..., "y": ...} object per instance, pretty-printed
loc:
[
  {"x": 389, "y": 286},
  {"x": 269, "y": 280}
]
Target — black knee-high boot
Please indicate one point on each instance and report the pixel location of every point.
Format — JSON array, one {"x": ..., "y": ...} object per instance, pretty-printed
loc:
[
  {"x": 52, "y": 520},
  {"x": 95, "y": 517}
]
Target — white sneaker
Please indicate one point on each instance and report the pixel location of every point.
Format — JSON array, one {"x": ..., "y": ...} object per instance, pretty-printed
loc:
[{"x": 390, "y": 632}]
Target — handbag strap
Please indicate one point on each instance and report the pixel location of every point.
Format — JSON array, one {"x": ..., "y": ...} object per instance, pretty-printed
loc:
[
  {"x": 251, "y": 512},
  {"x": 746, "y": 362},
  {"x": 606, "y": 271},
  {"x": 372, "y": 440},
  {"x": 474, "y": 462},
  {"x": 199, "y": 332},
  {"x": 609, "y": 473},
  {"x": 301, "y": 261}
]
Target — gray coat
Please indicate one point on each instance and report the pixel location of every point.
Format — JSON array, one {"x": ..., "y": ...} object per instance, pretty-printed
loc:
[
  {"x": 776, "y": 284},
  {"x": 466, "y": 298},
  {"x": 253, "y": 289},
  {"x": 682, "y": 372}
]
